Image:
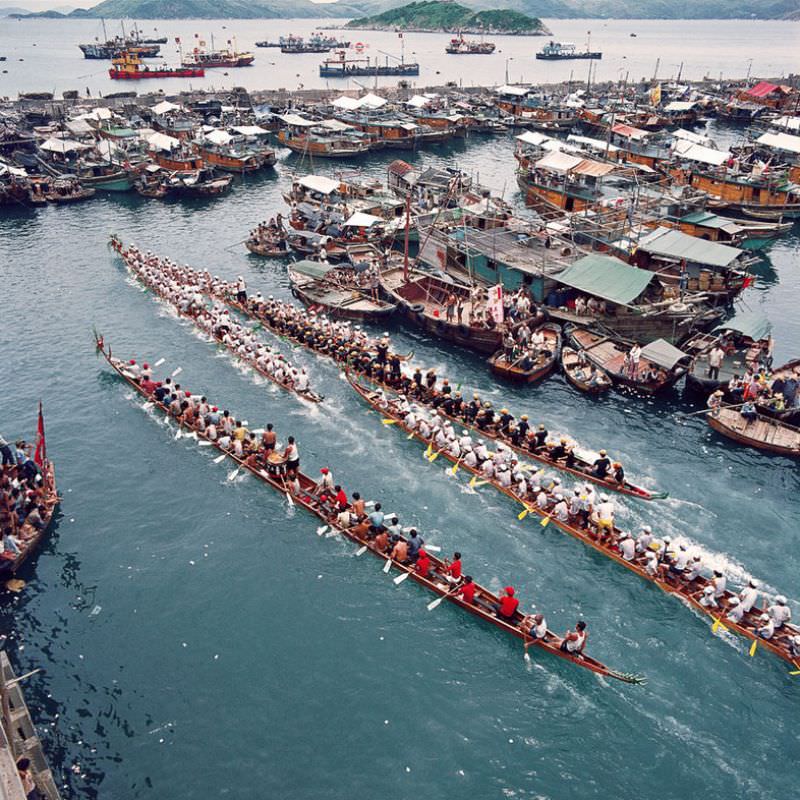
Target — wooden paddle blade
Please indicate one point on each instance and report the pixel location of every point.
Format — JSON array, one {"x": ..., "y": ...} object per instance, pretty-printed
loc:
[
  {"x": 204, "y": 443},
  {"x": 289, "y": 499},
  {"x": 219, "y": 458},
  {"x": 400, "y": 578},
  {"x": 389, "y": 421},
  {"x": 410, "y": 435},
  {"x": 472, "y": 481},
  {"x": 545, "y": 522},
  {"x": 387, "y": 566},
  {"x": 454, "y": 470},
  {"x": 361, "y": 550},
  {"x": 435, "y": 603},
  {"x": 177, "y": 371},
  {"x": 159, "y": 362},
  {"x": 433, "y": 457},
  {"x": 433, "y": 548},
  {"x": 522, "y": 514},
  {"x": 753, "y": 648},
  {"x": 428, "y": 451},
  {"x": 321, "y": 530}
]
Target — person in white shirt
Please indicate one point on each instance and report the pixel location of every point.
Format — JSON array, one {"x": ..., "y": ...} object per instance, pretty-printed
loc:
[
  {"x": 504, "y": 477},
  {"x": 749, "y": 596},
  {"x": 651, "y": 563},
  {"x": 487, "y": 468},
  {"x": 470, "y": 459},
  {"x": 694, "y": 569},
  {"x": 644, "y": 539},
  {"x": 720, "y": 583},
  {"x": 779, "y": 612},
  {"x": 715, "y": 358},
  {"x": 541, "y": 499},
  {"x": 627, "y": 547},
  {"x": 481, "y": 451},
  {"x": 537, "y": 626},
  {"x": 561, "y": 510},
  {"x": 707, "y": 600},
  {"x": 301, "y": 384},
  {"x": 575, "y": 503},
  {"x": 735, "y": 610},
  {"x": 605, "y": 517},
  {"x": 766, "y": 628}
]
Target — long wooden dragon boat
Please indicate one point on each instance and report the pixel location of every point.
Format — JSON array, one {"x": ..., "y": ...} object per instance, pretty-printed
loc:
[
  {"x": 435, "y": 584},
  {"x": 287, "y": 386},
  {"x": 690, "y": 593},
  {"x": 583, "y": 465}
]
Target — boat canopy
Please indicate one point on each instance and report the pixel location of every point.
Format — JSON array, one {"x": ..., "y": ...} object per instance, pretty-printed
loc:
[
  {"x": 54, "y": 145},
  {"x": 318, "y": 183},
  {"x": 787, "y": 123},
  {"x": 165, "y": 107},
  {"x": 663, "y": 353},
  {"x": 780, "y": 141},
  {"x": 370, "y": 100},
  {"x": 296, "y": 120},
  {"x": 697, "y": 152},
  {"x": 749, "y": 323},
  {"x": 418, "y": 101},
  {"x": 606, "y": 277},
  {"x": 218, "y": 136},
  {"x": 160, "y": 141},
  {"x": 691, "y": 136},
  {"x": 347, "y": 103},
  {"x": 556, "y": 161},
  {"x": 629, "y": 132},
  {"x": 312, "y": 269},
  {"x": 593, "y": 144},
  {"x": 78, "y": 127},
  {"x": 513, "y": 91},
  {"x": 250, "y": 130},
  {"x": 708, "y": 220},
  {"x": 362, "y": 220},
  {"x": 678, "y": 245},
  {"x": 679, "y": 105},
  {"x": 335, "y": 125}
]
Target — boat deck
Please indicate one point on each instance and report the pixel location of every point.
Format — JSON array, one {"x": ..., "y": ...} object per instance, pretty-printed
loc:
[{"x": 763, "y": 431}]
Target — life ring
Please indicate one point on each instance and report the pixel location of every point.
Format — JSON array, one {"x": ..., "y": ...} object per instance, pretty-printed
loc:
[
  {"x": 678, "y": 308},
  {"x": 415, "y": 308},
  {"x": 565, "y": 251}
]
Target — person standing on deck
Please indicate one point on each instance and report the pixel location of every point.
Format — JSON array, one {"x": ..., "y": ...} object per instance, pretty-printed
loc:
[
  {"x": 635, "y": 354},
  {"x": 715, "y": 358},
  {"x": 241, "y": 290}
]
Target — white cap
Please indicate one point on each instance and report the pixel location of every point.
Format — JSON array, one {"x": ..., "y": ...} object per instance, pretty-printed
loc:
[
  {"x": 604, "y": 498},
  {"x": 780, "y": 600},
  {"x": 647, "y": 529},
  {"x": 734, "y": 601},
  {"x": 559, "y": 496},
  {"x": 708, "y": 590},
  {"x": 764, "y": 617}
]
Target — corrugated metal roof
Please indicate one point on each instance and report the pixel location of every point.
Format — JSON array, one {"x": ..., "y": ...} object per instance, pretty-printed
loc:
[
  {"x": 708, "y": 220},
  {"x": 781, "y": 141},
  {"x": 748, "y": 323},
  {"x": 594, "y": 168},
  {"x": 679, "y": 245},
  {"x": 606, "y": 277}
]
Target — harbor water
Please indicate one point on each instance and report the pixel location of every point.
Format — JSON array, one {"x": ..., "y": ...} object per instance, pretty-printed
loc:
[
  {"x": 43, "y": 54},
  {"x": 199, "y": 640}
]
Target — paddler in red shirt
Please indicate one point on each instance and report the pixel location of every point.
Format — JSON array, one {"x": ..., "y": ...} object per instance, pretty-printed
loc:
[
  {"x": 467, "y": 590},
  {"x": 453, "y": 568},
  {"x": 507, "y": 606},
  {"x": 423, "y": 565}
]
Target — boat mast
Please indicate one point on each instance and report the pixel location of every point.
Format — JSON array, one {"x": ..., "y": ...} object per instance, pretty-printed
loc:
[
  {"x": 405, "y": 244},
  {"x": 105, "y": 35}
]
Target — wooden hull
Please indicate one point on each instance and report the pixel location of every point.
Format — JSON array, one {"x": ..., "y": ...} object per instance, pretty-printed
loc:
[
  {"x": 354, "y": 305},
  {"x": 514, "y": 372},
  {"x": 764, "y": 433},
  {"x": 271, "y": 250},
  {"x": 569, "y": 365},
  {"x": 307, "y": 501},
  {"x": 688, "y": 592}
]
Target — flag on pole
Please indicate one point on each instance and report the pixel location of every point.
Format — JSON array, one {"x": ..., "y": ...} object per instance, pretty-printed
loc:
[{"x": 40, "y": 456}]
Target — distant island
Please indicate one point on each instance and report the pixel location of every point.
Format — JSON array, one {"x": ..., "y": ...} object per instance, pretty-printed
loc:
[{"x": 443, "y": 16}]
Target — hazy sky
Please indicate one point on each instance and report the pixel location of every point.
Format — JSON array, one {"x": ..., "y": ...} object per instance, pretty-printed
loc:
[{"x": 45, "y": 5}]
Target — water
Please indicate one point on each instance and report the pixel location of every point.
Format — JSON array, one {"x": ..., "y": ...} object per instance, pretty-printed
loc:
[
  {"x": 52, "y": 61},
  {"x": 235, "y": 653}
]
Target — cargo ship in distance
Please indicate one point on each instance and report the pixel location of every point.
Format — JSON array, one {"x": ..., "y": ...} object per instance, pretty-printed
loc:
[
  {"x": 563, "y": 51},
  {"x": 461, "y": 46},
  {"x": 128, "y": 66}
]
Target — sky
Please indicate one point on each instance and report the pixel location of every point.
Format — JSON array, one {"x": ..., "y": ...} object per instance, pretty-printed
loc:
[{"x": 46, "y": 5}]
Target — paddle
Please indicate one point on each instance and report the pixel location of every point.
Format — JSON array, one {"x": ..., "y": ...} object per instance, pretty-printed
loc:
[
  {"x": 387, "y": 566},
  {"x": 704, "y": 411},
  {"x": 148, "y": 405},
  {"x": 400, "y": 578},
  {"x": 218, "y": 459},
  {"x": 427, "y": 453},
  {"x": 753, "y": 648},
  {"x": 361, "y": 550},
  {"x": 546, "y": 520},
  {"x": 288, "y": 493},
  {"x": 159, "y": 362},
  {"x": 234, "y": 474},
  {"x": 178, "y": 434},
  {"x": 436, "y": 455},
  {"x": 522, "y": 514},
  {"x": 389, "y": 421},
  {"x": 439, "y": 600},
  {"x": 410, "y": 435},
  {"x": 455, "y": 466},
  {"x": 718, "y": 625},
  {"x": 321, "y": 530},
  {"x": 205, "y": 443},
  {"x": 176, "y": 371}
]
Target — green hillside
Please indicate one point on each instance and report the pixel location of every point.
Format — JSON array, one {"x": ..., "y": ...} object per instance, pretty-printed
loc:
[{"x": 434, "y": 15}]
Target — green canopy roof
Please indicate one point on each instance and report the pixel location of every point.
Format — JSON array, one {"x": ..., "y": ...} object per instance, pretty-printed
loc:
[
  {"x": 749, "y": 323},
  {"x": 676, "y": 244},
  {"x": 664, "y": 354},
  {"x": 314, "y": 269},
  {"x": 606, "y": 277}
]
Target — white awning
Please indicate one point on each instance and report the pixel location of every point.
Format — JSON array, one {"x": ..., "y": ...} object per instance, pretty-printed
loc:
[
  {"x": 78, "y": 127},
  {"x": 318, "y": 183},
  {"x": 593, "y": 144},
  {"x": 679, "y": 105},
  {"x": 558, "y": 162},
  {"x": 787, "y": 123},
  {"x": 335, "y": 125},
  {"x": 691, "y": 136},
  {"x": 63, "y": 146},
  {"x": 696, "y": 152},
  {"x": 7, "y": 168},
  {"x": 372, "y": 101},
  {"x": 160, "y": 141},
  {"x": 347, "y": 103},
  {"x": 515, "y": 91},
  {"x": 296, "y": 120},
  {"x": 781, "y": 141},
  {"x": 418, "y": 101},
  {"x": 532, "y": 137},
  {"x": 164, "y": 107},
  {"x": 362, "y": 220},
  {"x": 107, "y": 149},
  {"x": 218, "y": 137},
  {"x": 250, "y": 130}
]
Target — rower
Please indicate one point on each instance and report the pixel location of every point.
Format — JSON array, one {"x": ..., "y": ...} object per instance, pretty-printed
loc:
[
  {"x": 735, "y": 610},
  {"x": 720, "y": 584},
  {"x": 376, "y": 520},
  {"x": 605, "y": 517},
  {"x": 644, "y": 539},
  {"x": 393, "y": 528},
  {"x": 627, "y": 547},
  {"x": 619, "y": 473},
  {"x": 292, "y": 456},
  {"x": 381, "y": 541},
  {"x": 268, "y": 438},
  {"x": 504, "y": 421},
  {"x": 452, "y": 568},
  {"x": 601, "y": 466},
  {"x": 540, "y": 437},
  {"x": 507, "y": 607},
  {"x": 779, "y": 612},
  {"x": 561, "y": 510},
  {"x": 536, "y": 627},
  {"x": 560, "y": 450},
  {"x": 415, "y": 542},
  {"x": 575, "y": 641},
  {"x": 749, "y": 596},
  {"x": 520, "y": 431},
  {"x": 467, "y": 590},
  {"x": 400, "y": 551},
  {"x": 358, "y": 506},
  {"x": 766, "y": 627},
  {"x": 423, "y": 565},
  {"x": 794, "y": 647},
  {"x": 707, "y": 600}
]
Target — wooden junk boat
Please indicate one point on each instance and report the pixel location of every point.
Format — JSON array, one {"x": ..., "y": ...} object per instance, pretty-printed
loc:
[
  {"x": 460, "y": 46},
  {"x": 690, "y": 592},
  {"x": 272, "y": 474},
  {"x": 272, "y": 247},
  {"x": 577, "y": 371},
  {"x": 324, "y": 287},
  {"x": 29, "y": 537},
  {"x": 610, "y": 355},
  {"x": 763, "y": 433},
  {"x": 523, "y": 369},
  {"x": 129, "y": 67}
]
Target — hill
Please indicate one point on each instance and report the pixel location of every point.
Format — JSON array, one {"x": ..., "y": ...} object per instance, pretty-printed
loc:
[
  {"x": 212, "y": 9},
  {"x": 449, "y": 17}
]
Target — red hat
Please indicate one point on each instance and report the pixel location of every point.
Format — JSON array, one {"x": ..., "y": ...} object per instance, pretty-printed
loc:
[
  {"x": 510, "y": 591},
  {"x": 146, "y": 365},
  {"x": 133, "y": 361},
  {"x": 215, "y": 409},
  {"x": 423, "y": 553},
  {"x": 324, "y": 470},
  {"x": 188, "y": 394}
]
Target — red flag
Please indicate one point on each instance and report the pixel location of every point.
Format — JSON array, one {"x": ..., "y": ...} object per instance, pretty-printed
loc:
[
  {"x": 747, "y": 281},
  {"x": 40, "y": 456},
  {"x": 177, "y": 40}
]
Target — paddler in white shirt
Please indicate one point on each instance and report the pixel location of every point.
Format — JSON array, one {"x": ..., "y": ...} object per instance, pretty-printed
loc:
[
  {"x": 749, "y": 596},
  {"x": 766, "y": 627},
  {"x": 779, "y": 612},
  {"x": 735, "y": 610}
]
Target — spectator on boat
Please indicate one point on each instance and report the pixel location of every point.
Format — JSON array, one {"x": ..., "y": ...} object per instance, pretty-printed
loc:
[
  {"x": 635, "y": 354},
  {"x": 5, "y": 452},
  {"x": 10, "y": 543},
  {"x": 28, "y": 782},
  {"x": 736, "y": 389},
  {"x": 714, "y": 402},
  {"x": 715, "y": 359},
  {"x": 748, "y": 411}
]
